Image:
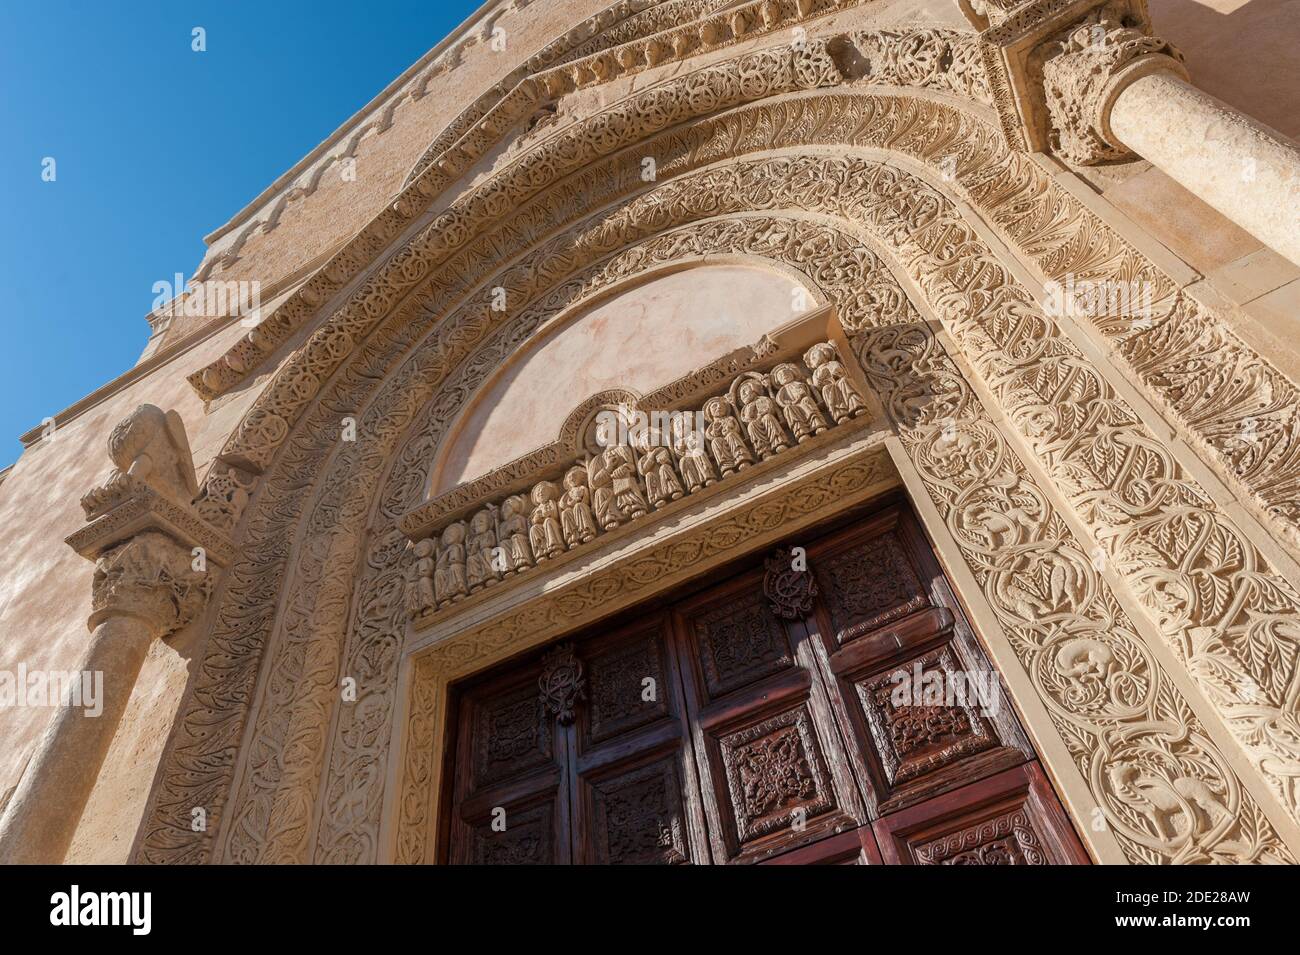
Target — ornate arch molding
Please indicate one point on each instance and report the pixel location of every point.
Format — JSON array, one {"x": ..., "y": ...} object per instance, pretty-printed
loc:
[
  {"x": 1189, "y": 360},
  {"x": 201, "y": 757},
  {"x": 1131, "y": 738}
]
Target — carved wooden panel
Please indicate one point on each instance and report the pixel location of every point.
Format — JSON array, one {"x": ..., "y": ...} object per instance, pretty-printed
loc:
[
  {"x": 1012, "y": 818},
  {"x": 627, "y": 685},
  {"x": 510, "y": 735},
  {"x": 870, "y": 582},
  {"x": 739, "y": 642},
  {"x": 510, "y": 805},
  {"x": 711, "y": 731},
  {"x": 775, "y": 773},
  {"x": 638, "y": 817},
  {"x": 911, "y": 739},
  {"x": 527, "y": 839},
  {"x": 772, "y": 766},
  {"x": 927, "y": 709}
]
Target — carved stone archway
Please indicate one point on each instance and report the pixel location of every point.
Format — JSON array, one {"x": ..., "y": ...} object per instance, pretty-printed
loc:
[{"x": 288, "y": 774}]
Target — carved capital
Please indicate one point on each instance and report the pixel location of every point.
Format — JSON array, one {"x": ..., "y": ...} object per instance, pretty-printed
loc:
[
  {"x": 151, "y": 577},
  {"x": 1083, "y": 74},
  {"x": 155, "y": 555},
  {"x": 1056, "y": 67}
]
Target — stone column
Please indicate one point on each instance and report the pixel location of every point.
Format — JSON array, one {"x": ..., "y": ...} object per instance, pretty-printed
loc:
[
  {"x": 1113, "y": 91},
  {"x": 1244, "y": 169},
  {"x": 1088, "y": 81},
  {"x": 143, "y": 589}
]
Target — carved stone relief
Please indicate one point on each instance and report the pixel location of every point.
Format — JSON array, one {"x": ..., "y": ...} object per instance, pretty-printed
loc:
[
  {"x": 1155, "y": 774},
  {"x": 623, "y": 478}
]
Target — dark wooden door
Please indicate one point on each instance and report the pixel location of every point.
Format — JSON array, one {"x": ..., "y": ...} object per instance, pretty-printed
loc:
[{"x": 863, "y": 726}]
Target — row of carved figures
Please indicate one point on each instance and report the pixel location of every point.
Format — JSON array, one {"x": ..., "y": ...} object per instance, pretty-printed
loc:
[{"x": 759, "y": 416}]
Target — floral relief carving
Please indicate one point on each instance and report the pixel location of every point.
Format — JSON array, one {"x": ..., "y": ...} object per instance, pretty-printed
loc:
[{"x": 1159, "y": 779}]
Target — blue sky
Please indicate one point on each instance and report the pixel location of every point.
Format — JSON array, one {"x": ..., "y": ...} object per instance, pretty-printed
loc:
[{"x": 156, "y": 145}]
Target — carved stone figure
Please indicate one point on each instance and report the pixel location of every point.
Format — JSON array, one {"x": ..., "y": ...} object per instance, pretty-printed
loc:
[
  {"x": 419, "y": 580},
  {"x": 148, "y": 446},
  {"x": 545, "y": 534},
  {"x": 839, "y": 395},
  {"x": 512, "y": 533},
  {"x": 602, "y": 491},
  {"x": 449, "y": 579},
  {"x": 656, "y": 467},
  {"x": 726, "y": 442},
  {"x": 576, "y": 519},
  {"x": 766, "y": 434},
  {"x": 798, "y": 405},
  {"x": 483, "y": 565},
  {"x": 693, "y": 461},
  {"x": 628, "y": 496}
]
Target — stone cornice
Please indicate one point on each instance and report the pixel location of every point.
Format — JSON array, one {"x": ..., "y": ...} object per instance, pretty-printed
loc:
[
  {"x": 264, "y": 212},
  {"x": 142, "y": 510}
]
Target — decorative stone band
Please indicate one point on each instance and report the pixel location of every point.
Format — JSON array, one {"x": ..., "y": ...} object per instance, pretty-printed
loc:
[
  {"x": 929, "y": 58},
  {"x": 786, "y": 391}
]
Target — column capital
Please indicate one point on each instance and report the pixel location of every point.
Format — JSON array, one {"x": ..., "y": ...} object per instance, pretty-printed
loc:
[
  {"x": 1056, "y": 67},
  {"x": 155, "y": 556},
  {"x": 151, "y": 577}
]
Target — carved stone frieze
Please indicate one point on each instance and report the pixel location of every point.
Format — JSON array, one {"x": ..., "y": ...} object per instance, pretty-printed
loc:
[{"x": 664, "y": 454}]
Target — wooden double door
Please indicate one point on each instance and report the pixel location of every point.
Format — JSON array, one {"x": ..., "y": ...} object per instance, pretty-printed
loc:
[{"x": 832, "y": 706}]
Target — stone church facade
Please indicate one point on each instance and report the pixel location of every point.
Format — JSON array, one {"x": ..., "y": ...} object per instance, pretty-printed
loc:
[{"x": 938, "y": 339}]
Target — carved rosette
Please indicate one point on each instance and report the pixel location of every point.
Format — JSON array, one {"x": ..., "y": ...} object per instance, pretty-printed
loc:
[
  {"x": 789, "y": 585},
  {"x": 150, "y": 577},
  {"x": 562, "y": 683},
  {"x": 1083, "y": 75}
]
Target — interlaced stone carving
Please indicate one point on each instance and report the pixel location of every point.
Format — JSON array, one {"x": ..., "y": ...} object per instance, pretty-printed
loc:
[{"x": 1162, "y": 783}]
